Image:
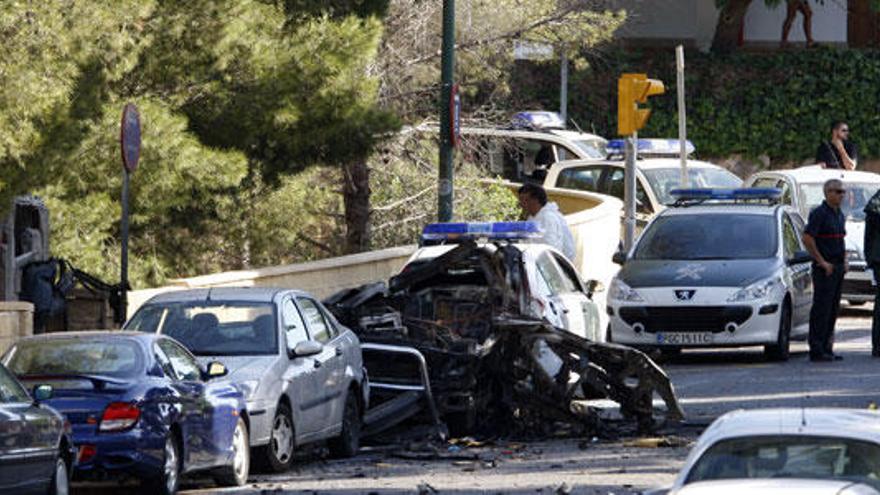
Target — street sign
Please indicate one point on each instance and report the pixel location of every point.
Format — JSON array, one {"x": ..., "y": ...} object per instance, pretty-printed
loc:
[
  {"x": 130, "y": 137},
  {"x": 455, "y": 116},
  {"x": 530, "y": 50}
]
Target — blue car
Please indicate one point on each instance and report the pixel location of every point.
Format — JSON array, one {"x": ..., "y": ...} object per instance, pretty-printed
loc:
[{"x": 139, "y": 405}]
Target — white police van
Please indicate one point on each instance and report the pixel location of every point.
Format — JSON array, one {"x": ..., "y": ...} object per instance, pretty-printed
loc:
[
  {"x": 537, "y": 280},
  {"x": 718, "y": 268}
]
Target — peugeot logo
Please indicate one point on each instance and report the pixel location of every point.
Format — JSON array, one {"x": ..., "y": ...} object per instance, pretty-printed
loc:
[{"x": 685, "y": 295}]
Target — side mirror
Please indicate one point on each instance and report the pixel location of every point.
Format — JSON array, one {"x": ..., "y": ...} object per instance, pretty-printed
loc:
[
  {"x": 799, "y": 257},
  {"x": 619, "y": 257},
  {"x": 307, "y": 348},
  {"x": 216, "y": 369},
  {"x": 594, "y": 286},
  {"x": 43, "y": 392}
]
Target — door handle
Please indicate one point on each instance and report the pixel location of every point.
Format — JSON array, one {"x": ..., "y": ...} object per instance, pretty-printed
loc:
[
  {"x": 317, "y": 363},
  {"x": 338, "y": 351}
]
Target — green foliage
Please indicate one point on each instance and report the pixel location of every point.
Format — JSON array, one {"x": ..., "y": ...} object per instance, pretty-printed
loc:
[{"x": 778, "y": 104}]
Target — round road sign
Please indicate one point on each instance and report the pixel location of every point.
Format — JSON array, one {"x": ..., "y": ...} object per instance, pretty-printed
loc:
[{"x": 130, "y": 137}]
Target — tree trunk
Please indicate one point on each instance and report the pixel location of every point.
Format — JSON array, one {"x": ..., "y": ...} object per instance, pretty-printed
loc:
[
  {"x": 356, "y": 198},
  {"x": 730, "y": 21}
]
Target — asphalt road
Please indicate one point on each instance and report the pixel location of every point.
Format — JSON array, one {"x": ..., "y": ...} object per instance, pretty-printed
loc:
[{"x": 708, "y": 384}]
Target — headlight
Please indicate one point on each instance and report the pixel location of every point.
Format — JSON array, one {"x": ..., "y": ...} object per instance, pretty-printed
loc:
[
  {"x": 621, "y": 292},
  {"x": 249, "y": 388},
  {"x": 853, "y": 255},
  {"x": 758, "y": 290}
]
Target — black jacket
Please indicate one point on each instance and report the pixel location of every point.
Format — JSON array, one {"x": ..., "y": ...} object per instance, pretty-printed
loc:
[{"x": 872, "y": 230}]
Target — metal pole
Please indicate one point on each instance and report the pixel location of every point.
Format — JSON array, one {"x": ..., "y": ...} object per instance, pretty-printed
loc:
[
  {"x": 123, "y": 270},
  {"x": 563, "y": 86},
  {"x": 9, "y": 266},
  {"x": 682, "y": 117},
  {"x": 447, "y": 66},
  {"x": 629, "y": 193}
]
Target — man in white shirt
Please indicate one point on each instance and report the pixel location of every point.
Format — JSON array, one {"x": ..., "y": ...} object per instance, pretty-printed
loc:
[{"x": 533, "y": 200}]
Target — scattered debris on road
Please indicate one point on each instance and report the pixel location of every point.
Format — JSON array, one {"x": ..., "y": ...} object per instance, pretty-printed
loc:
[{"x": 491, "y": 363}]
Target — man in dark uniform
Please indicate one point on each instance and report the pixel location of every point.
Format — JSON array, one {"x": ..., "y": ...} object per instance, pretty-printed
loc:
[
  {"x": 824, "y": 238},
  {"x": 839, "y": 152},
  {"x": 872, "y": 257}
]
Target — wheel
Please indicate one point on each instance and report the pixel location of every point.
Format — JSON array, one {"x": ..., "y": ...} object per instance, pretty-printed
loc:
[
  {"x": 60, "y": 478},
  {"x": 780, "y": 350},
  {"x": 236, "y": 474},
  {"x": 168, "y": 481},
  {"x": 278, "y": 455},
  {"x": 348, "y": 441}
]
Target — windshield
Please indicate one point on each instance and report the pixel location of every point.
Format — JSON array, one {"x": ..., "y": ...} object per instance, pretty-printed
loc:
[
  {"x": 592, "y": 148},
  {"x": 790, "y": 457},
  {"x": 212, "y": 328},
  {"x": 709, "y": 237},
  {"x": 68, "y": 356},
  {"x": 857, "y": 196},
  {"x": 663, "y": 180},
  {"x": 10, "y": 389}
]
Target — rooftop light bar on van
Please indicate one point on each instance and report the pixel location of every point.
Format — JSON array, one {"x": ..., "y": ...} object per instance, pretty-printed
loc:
[
  {"x": 480, "y": 230},
  {"x": 654, "y": 146},
  {"x": 741, "y": 194},
  {"x": 538, "y": 120}
]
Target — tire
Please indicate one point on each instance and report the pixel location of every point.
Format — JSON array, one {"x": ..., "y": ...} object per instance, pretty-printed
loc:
[
  {"x": 168, "y": 482},
  {"x": 60, "y": 478},
  {"x": 780, "y": 350},
  {"x": 349, "y": 440},
  {"x": 278, "y": 455},
  {"x": 236, "y": 474}
]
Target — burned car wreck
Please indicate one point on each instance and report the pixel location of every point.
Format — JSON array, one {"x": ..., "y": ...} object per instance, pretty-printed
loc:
[{"x": 490, "y": 360}]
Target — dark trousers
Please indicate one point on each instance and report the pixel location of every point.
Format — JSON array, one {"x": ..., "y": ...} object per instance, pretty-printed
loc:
[{"x": 826, "y": 304}]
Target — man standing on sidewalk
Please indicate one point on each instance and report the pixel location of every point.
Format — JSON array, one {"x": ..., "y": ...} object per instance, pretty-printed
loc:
[
  {"x": 824, "y": 238},
  {"x": 872, "y": 258}
]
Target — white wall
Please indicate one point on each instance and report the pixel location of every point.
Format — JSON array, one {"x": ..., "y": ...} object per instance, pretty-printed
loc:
[{"x": 764, "y": 24}]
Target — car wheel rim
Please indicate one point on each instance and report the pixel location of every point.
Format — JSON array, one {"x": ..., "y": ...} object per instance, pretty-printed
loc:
[
  {"x": 282, "y": 436},
  {"x": 240, "y": 454},
  {"x": 61, "y": 485},
  {"x": 170, "y": 466}
]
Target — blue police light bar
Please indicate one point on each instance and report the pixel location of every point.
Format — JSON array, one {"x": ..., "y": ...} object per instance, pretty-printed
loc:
[
  {"x": 480, "y": 230},
  {"x": 651, "y": 146},
  {"x": 538, "y": 120},
  {"x": 745, "y": 193}
]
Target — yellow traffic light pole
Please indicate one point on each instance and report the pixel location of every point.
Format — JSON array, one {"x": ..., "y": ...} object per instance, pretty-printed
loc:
[{"x": 633, "y": 89}]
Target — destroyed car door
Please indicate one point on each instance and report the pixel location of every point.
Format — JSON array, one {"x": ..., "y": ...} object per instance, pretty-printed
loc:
[
  {"x": 555, "y": 291},
  {"x": 577, "y": 300}
]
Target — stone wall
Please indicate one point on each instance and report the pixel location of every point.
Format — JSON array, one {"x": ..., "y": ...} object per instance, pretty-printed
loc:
[{"x": 16, "y": 321}]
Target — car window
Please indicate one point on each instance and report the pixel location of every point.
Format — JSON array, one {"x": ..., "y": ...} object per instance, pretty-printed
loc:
[
  {"x": 663, "y": 180},
  {"x": 580, "y": 178},
  {"x": 184, "y": 365},
  {"x": 319, "y": 328},
  {"x": 116, "y": 357},
  {"x": 10, "y": 389},
  {"x": 568, "y": 273},
  {"x": 790, "y": 456},
  {"x": 615, "y": 186},
  {"x": 787, "y": 197},
  {"x": 715, "y": 236},
  {"x": 766, "y": 182},
  {"x": 790, "y": 241},
  {"x": 853, "y": 205},
  {"x": 294, "y": 326},
  {"x": 164, "y": 362},
  {"x": 213, "y": 328},
  {"x": 552, "y": 274}
]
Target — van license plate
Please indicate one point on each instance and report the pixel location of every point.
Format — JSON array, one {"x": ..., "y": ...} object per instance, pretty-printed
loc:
[{"x": 696, "y": 338}]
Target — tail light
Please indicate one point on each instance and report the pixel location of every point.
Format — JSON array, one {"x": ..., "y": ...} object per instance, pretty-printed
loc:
[
  {"x": 86, "y": 453},
  {"x": 119, "y": 416}
]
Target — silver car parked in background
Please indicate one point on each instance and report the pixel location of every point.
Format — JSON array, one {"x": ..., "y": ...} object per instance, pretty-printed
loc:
[{"x": 302, "y": 371}]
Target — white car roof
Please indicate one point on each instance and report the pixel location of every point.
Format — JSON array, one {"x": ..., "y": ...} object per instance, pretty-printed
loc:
[
  {"x": 817, "y": 174},
  {"x": 646, "y": 164},
  {"x": 577, "y": 136},
  {"x": 792, "y": 486},
  {"x": 859, "y": 424}
]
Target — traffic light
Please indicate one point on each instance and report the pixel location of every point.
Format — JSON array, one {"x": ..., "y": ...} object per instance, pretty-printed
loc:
[{"x": 633, "y": 89}]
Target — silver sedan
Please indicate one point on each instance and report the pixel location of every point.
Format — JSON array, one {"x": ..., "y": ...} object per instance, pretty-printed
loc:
[{"x": 301, "y": 370}]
